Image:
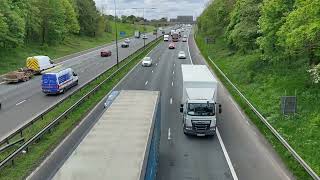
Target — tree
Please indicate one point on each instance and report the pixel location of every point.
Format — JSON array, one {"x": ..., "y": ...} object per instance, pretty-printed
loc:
[
  {"x": 242, "y": 30},
  {"x": 300, "y": 34},
  {"x": 273, "y": 16},
  {"x": 88, "y": 16},
  {"x": 71, "y": 20}
]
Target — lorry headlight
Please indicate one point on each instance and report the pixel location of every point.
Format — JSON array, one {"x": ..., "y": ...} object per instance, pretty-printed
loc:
[
  {"x": 212, "y": 128},
  {"x": 188, "y": 128}
]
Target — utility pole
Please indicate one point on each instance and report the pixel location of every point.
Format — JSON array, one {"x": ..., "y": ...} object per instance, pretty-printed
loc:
[{"x": 115, "y": 24}]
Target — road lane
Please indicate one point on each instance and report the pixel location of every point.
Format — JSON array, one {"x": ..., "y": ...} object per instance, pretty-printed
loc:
[
  {"x": 251, "y": 155},
  {"x": 87, "y": 66}
]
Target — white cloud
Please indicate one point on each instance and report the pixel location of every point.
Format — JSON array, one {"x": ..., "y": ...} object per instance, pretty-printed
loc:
[{"x": 165, "y": 8}]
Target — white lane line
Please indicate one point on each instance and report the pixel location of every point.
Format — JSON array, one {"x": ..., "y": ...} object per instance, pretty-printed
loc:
[
  {"x": 146, "y": 83},
  {"x": 173, "y": 72},
  {"x": 189, "y": 49},
  {"x": 169, "y": 134},
  {"x": 156, "y": 64},
  {"x": 20, "y": 102},
  {"x": 174, "y": 65},
  {"x": 233, "y": 172},
  {"x": 152, "y": 71},
  {"x": 234, "y": 104},
  {"x": 172, "y": 83},
  {"x": 170, "y": 100}
]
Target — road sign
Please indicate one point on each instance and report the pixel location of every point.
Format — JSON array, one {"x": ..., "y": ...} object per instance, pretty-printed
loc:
[
  {"x": 122, "y": 33},
  {"x": 288, "y": 105}
]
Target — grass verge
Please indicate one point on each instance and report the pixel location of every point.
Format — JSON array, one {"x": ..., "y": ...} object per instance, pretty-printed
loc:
[
  {"x": 263, "y": 84},
  {"x": 11, "y": 59},
  {"x": 25, "y": 163}
]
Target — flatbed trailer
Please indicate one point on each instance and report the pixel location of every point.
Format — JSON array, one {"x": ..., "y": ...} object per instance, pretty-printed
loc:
[{"x": 123, "y": 144}]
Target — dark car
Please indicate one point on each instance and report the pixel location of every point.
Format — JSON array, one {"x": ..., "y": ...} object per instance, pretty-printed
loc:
[
  {"x": 124, "y": 45},
  {"x": 105, "y": 53},
  {"x": 172, "y": 46}
]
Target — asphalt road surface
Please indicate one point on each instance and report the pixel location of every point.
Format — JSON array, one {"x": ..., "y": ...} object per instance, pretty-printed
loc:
[
  {"x": 23, "y": 101},
  {"x": 238, "y": 151}
]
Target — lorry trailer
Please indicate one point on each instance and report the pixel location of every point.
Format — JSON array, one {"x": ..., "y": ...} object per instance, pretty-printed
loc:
[
  {"x": 123, "y": 144},
  {"x": 199, "y": 100}
]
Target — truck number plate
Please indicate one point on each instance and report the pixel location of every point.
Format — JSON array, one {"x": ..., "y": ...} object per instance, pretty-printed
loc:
[{"x": 200, "y": 134}]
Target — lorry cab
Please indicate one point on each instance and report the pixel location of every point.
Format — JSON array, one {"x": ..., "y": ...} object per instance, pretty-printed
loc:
[{"x": 199, "y": 101}]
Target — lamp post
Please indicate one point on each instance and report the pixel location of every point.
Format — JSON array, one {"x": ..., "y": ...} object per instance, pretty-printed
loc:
[
  {"x": 115, "y": 24},
  {"x": 144, "y": 25}
]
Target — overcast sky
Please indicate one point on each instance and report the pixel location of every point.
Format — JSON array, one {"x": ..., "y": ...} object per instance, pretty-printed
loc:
[{"x": 165, "y": 8}]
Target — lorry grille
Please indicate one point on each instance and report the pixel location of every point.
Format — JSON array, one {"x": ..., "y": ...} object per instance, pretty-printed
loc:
[{"x": 200, "y": 125}]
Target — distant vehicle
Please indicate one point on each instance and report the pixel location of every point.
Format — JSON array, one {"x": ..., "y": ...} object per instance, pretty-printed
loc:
[
  {"x": 175, "y": 37},
  {"x": 58, "y": 81},
  {"x": 172, "y": 46},
  {"x": 127, "y": 40},
  {"x": 146, "y": 61},
  {"x": 144, "y": 36},
  {"x": 125, "y": 45},
  {"x": 182, "y": 55},
  {"x": 199, "y": 100},
  {"x": 134, "y": 122},
  {"x": 137, "y": 34},
  {"x": 39, "y": 63},
  {"x": 166, "y": 37},
  {"x": 111, "y": 98},
  {"x": 184, "y": 39},
  {"x": 172, "y": 32},
  {"x": 105, "y": 53},
  {"x": 23, "y": 74}
]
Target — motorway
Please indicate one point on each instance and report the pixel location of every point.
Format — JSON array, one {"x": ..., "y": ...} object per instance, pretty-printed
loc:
[
  {"x": 23, "y": 101},
  {"x": 238, "y": 151}
]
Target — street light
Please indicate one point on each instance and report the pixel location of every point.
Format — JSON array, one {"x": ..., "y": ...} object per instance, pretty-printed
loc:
[
  {"x": 144, "y": 25},
  {"x": 115, "y": 24}
]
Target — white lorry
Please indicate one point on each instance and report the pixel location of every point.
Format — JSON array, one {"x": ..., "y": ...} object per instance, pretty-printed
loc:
[
  {"x": 137, "y": 34},
  {"x": 199, "y": 100}
]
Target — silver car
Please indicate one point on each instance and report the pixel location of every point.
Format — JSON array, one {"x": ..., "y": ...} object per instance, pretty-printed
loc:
[
  {"x": 182, "y": 55},
  {"x": 146, "y": 61}
]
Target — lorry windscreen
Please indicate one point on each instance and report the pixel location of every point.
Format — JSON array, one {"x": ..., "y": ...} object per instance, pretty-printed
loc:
[{"x": 201, "y": 109}]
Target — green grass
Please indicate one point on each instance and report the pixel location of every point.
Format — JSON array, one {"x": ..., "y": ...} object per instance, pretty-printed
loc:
[
  {"x": 263, "y": 84},
  {"x": 24, "y": 164},
  {"x": 11, "y": 59}
]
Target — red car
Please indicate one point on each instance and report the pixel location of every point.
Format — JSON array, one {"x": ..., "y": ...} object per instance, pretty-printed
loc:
[
  {"x": 172, "y": 46},
  {"x": 105, "y": 53}
]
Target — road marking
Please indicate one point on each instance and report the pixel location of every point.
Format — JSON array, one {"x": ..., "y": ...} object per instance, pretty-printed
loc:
[
  {"x": 156, "y": 64},
  {"x": 172, "y": 83},
  {"x": 234, "y": 104},
  {"x": 152, "y": 71},
  {"x": 189, "y": 49},
  {"x": 174, "y": 65},
  {"x": 173, "y": 72},
  {"x": 2, "y": 82},
  {"x": 170, "y": 100},
  {"x": 233, "y": 172},
  {"x": 20, "y": 102},
  {"x": 169, "y": 134},
  {"x": 146, "y": 83}
]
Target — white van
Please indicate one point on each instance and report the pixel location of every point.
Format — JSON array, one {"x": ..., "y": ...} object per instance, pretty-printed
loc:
[
  {"x": 39, "y": 63},
  {"x": 166, "y": 37}
]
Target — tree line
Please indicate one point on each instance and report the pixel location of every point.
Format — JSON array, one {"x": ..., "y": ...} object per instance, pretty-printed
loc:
[
  {"x": 48, "y": 21},
  {"x": 279, "y": 29}
]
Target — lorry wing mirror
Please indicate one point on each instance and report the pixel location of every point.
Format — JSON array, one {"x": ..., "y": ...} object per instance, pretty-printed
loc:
[
  {"x": 220, "y": 109},
  {"x": 181, "y": 108}
]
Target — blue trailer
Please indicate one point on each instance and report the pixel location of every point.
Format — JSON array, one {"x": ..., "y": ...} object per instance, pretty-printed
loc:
[
  {"x": 58, "y": 81},
  {"x": 123, "y": 144}
]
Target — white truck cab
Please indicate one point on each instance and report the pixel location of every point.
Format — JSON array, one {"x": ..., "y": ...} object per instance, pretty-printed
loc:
[{"x": 199, "y": 101}]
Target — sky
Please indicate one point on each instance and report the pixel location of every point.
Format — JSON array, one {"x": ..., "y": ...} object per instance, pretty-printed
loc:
[{"x": 164, "y": 8}]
